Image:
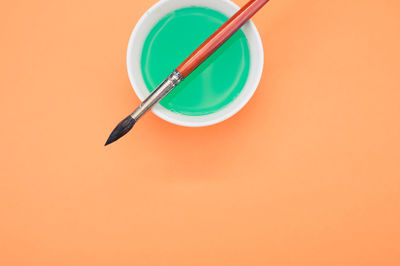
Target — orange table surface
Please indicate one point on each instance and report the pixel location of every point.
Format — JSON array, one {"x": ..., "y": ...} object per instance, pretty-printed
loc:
[{"x": 308, "y": 173}]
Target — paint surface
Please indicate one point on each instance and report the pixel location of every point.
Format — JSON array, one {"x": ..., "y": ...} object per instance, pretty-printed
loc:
[{"x": 213, "y": 85}]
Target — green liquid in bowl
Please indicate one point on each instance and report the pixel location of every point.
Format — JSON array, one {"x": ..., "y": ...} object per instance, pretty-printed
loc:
[{"x": 213, "y": 85}]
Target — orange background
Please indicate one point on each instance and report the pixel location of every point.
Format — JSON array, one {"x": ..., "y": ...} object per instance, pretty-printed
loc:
[{"x": 308, "y": 173}]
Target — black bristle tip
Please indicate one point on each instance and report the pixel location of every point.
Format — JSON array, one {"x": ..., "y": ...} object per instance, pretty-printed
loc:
[{"x": 122, "y": 128}]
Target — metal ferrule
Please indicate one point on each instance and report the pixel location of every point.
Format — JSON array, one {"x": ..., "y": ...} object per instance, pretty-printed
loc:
[{"x": 160, "y": 92}]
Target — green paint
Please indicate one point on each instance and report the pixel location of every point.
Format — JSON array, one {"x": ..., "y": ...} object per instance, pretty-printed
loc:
[{"x": 216, "y": 83}]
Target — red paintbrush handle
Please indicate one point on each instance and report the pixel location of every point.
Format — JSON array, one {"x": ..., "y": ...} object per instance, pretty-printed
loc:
[{"x": 220, "y": 36}]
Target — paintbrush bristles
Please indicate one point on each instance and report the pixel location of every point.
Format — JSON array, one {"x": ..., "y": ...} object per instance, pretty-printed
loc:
[{"x": 122, "y": 128}]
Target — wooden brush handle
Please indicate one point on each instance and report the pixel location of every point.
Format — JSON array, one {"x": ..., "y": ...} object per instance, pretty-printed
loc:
[{"x": 220, "y": 36}]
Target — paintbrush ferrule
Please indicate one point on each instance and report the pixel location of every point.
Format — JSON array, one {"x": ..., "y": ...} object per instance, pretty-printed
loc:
[{"x": 160, "y": 92}]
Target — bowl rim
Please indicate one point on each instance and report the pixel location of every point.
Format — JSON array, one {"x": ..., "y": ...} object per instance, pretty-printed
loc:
[{"x": 135, "y": 46}]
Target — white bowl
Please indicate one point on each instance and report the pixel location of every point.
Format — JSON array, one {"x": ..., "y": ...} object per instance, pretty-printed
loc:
[{"x": 135, "y": 47}]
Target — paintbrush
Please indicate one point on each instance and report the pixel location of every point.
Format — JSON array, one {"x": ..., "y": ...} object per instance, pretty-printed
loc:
[{"x": 206, "y": 49}]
